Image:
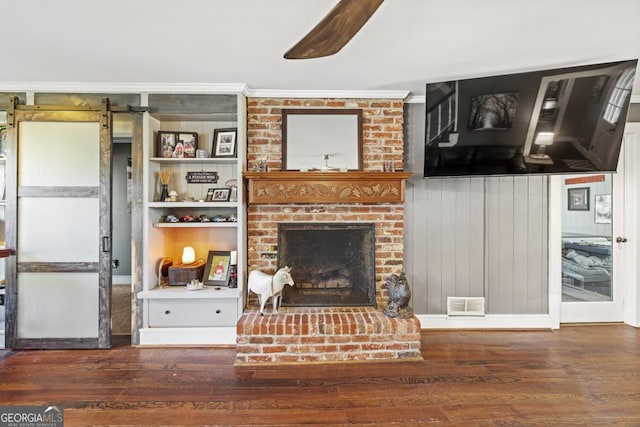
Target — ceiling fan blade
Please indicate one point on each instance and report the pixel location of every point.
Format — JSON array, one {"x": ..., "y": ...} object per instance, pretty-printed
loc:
[{"x": 335, "y": 30}]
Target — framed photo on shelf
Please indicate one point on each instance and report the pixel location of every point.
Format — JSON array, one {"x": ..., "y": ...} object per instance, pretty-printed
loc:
[
  {"x": 218, "y": 194},
  {"x": 176, "y": 144},
  {"x": 216, "y": 271},
  {"x": 166, "y": 144},
  {"x": 224, "y": 142},
  {"x": 189, "y": 142},
  {"x": 578, "y": 199}
]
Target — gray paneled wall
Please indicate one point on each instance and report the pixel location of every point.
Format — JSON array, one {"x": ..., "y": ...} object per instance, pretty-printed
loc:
[
  {"x": 473, "y": 236},
  {"x": 516, "y": 244}
]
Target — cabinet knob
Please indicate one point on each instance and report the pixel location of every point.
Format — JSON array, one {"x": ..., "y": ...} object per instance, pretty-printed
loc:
[
  {"x": 218, "y": 311},
  {"x": 167, "y": 312}
]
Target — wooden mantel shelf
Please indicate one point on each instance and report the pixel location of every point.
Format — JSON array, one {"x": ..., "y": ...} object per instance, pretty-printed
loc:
[{"x": 326, "y": 187}]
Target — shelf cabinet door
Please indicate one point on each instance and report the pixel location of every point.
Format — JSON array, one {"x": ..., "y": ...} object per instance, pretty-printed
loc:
[{"x": 178, "y": 313}]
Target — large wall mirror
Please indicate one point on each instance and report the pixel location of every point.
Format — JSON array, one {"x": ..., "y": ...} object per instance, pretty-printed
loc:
[{"x": 321, "y": 139}]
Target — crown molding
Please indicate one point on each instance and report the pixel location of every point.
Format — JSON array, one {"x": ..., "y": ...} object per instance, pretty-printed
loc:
[
  {"x": 195, "y": 88},
  {"x": 109, "y": 87},
  {"x": 350, "y": 94},
  {"x": 416, "y": 99}
]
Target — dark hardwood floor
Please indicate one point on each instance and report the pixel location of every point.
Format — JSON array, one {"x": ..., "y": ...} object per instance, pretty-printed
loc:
[{"x": 585, "y": 376}]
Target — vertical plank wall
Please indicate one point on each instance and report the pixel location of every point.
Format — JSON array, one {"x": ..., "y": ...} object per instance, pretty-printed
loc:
[{"x": 473, "y": 236}]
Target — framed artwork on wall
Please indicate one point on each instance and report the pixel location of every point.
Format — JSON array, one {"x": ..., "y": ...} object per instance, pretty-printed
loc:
[
  {"x": 494, "y": 111},
  {"x": 578, "y": 199},
  {"x": 603, "y": 209}
]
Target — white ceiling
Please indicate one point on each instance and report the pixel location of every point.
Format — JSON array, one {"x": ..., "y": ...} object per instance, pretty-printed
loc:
[{"x": 406, "y": 44}]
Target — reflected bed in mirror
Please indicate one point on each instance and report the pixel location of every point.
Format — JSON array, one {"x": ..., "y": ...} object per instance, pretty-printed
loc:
[{"x": 321, "y": 139}]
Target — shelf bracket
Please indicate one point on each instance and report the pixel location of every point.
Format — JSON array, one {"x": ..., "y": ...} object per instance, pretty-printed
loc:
[
  {"x": 104, "y": 117},
  {"x": 11, "y": 108}
]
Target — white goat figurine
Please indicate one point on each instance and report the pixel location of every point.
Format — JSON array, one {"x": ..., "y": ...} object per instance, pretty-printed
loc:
[{"x": 265, "y": 286}]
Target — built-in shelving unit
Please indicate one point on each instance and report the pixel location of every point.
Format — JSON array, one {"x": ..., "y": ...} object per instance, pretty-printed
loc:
[{"x": 174, "y": 315}]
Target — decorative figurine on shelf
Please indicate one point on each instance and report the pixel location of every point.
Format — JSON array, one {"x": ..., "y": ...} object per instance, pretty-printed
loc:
[
  {"x": 233, "y": 270},
  {"x": 232, "y": 185},
  {"x": 233, "y": 276},
  {"x": 266, "y": 286},
  {"x": 260, "y": 165},
  {"x": 399, "y": 296},
  {"x": 389, "y": 166},
  {"x": 165, "y": 177}
]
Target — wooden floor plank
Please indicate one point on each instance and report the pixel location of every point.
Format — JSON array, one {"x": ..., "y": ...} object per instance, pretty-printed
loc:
[{"x": 573, "y": 376}]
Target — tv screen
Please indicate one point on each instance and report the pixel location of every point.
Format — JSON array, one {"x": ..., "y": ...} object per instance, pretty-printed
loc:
[{"x": 567, "y": 120}]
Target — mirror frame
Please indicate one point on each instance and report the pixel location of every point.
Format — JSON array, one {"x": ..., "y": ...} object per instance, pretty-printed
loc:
[{"x": 289, "y": 140}]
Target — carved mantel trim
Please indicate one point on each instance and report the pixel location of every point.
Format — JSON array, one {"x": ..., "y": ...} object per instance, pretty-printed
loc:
[{"x": 326, "y": 187}]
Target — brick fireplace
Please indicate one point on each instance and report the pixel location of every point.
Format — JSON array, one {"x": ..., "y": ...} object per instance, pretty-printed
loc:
[{"x": 327, "y": 333}]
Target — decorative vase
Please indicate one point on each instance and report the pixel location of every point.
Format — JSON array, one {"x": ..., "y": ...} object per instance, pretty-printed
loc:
[{"x": 164, "y": 193}]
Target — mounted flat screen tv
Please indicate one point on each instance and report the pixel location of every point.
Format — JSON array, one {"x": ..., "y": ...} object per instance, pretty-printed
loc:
[{"x": 559, "y": 121}]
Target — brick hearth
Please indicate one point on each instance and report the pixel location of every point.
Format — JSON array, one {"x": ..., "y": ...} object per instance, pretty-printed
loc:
[{"x": 331, "y": 334}]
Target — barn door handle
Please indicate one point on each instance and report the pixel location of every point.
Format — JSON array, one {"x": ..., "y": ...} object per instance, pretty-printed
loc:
[{"x": 106, "y": 244}]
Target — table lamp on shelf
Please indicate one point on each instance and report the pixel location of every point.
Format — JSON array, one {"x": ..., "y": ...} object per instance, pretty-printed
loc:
[
  {"x": 188, "y": 255},
  {"x": 190, "y": 269}
]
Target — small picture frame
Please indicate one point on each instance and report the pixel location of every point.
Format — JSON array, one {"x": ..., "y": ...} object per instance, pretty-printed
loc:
[
  {"x": 166, "y": 144},
  {"x": 189, "y": 142},
  {"x": 578, "y": 199},
  {"x": 209, "y": 197},
  {"x": 224, "y": 142},
  {"x": 216, "y": 271},
  {"x": 171, "y": 144},
  {"x": 218, "y": 194}
]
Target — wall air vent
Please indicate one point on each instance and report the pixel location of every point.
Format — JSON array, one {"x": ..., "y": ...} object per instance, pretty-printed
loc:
[{"x": 465, "y": 306}]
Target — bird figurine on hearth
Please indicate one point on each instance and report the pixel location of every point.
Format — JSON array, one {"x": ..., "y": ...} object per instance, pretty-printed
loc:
[{"x": 399, "y": 297}]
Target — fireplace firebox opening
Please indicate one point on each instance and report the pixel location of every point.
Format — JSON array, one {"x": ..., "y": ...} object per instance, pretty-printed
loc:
[{"x": 333, "y": 264}]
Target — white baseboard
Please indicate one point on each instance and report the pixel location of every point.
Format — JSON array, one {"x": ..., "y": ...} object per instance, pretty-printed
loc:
[
  {"x": 188, "y": 336},
  {"x": 492, "y": 321}
]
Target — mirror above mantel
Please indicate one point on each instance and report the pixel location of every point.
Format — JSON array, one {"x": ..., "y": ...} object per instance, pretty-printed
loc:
[{"x": 324, "y": 139}]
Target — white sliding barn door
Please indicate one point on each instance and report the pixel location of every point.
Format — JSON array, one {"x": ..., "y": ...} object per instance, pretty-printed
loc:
[{"x": 62, "y": 230}]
